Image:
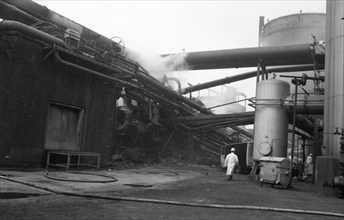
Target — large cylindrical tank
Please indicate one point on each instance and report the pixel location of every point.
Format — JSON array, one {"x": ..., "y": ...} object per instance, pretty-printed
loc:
[
  {"x": 334, "y": 72},
  {"x": 293, "y": 29},
  {"x": 271, "y": 119}
]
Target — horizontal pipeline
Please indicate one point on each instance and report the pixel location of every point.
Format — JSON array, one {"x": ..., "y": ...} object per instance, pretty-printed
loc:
[
  {"x": 297, "y": 54},
  {"x": 247, "y": 75},
  {"x": 309, "y": 105}
]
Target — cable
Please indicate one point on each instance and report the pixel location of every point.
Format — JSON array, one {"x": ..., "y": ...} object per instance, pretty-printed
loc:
[{"x": 169, "y": 202}]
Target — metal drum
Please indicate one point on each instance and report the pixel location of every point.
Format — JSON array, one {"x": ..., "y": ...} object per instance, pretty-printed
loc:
[{"x": 271, "y": 120}]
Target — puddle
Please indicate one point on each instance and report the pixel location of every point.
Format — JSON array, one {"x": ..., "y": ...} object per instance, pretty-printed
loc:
[
  {"x": 138, "y": 185},
  {"x": 7, "y": 175},
  {"x": 14, "y": 195}
]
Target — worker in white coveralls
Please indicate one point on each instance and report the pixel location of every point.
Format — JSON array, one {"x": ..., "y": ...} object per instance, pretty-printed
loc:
[
  {"x": 308, "y": 166},
  {"x": 230, "y": 162}
]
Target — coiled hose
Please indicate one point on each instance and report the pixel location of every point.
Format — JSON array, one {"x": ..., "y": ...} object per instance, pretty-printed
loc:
[{"x": 169, "y": 202}]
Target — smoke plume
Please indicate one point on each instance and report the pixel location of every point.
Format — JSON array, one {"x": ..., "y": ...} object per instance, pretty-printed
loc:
[{"x": 158, "y": 65}]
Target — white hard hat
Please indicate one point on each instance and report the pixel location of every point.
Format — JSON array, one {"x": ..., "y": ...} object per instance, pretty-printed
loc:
[{"x": 233, "y": 149}]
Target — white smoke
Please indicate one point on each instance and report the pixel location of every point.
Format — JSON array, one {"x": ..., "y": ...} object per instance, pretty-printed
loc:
[
  {"x": 219, "y": 98},
  {"x": 157, "y": 65}
]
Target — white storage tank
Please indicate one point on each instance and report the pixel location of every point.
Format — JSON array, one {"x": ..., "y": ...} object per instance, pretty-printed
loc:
[
  {"x": 293, "y": 29},
  {"x": 296, "y": 29},
  {"x": 271, "y": 119}
]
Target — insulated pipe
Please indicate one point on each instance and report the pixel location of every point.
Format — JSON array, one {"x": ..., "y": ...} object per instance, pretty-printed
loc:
[
  {"x": 168, "y": 92},
  {"x": 249, "y": 57},
  {"x": 308, "y": 109},
  {"x": 242, "y": 76},
  {"x": 58, "y": 59},
  {"x": 45, "y": 14},
  {"x": 303, "y": 123},
  {"x": 143, "y": 78},
  {"x": 166, "y": 79},
  {"x": 306, "y": 104},
  {"x": 7, "y": 25},
  {"x": 9, "y": 12}
]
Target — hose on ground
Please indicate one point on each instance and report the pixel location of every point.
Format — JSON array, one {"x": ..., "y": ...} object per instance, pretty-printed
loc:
[
  {"x": 111, "y": 178},
  {"x": 169, "y": 202}
]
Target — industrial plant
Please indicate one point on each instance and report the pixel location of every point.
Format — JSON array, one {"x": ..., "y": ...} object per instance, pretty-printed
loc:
[{"x": 72, "y": 98}]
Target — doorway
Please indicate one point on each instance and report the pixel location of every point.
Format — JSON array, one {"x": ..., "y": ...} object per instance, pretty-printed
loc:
[{"x": 64, "y": 128}]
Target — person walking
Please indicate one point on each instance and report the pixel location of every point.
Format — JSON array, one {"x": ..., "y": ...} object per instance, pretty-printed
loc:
[
  {"x": 309, "y": 165},
  {"x": 231, "y": 161}
]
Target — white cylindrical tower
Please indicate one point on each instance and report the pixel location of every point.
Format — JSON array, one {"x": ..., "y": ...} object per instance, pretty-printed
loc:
[
  {"x": 271, "y": 119},
  {"x": 334, "y": 77}
]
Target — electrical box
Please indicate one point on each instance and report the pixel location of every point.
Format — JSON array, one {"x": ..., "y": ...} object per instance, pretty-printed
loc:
[
  {"x": 275, "y": 171},
  {"x": 72, "y": 38}
]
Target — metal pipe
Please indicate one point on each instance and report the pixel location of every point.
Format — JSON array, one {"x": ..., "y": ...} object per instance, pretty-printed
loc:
[
  {"x": 43, "y": 13},
  {"x": 166, "y": 79},
  {"x": 29, "y": 7},
  {"x": 58, "y": 58},
  {"x": 242, "y": 76},
  {"x": 9, "y": 12},
  {"x": 309, "y": 104},
  {"x": 304, "y": 108},
  {"x": 7, "y": 25},
  {"x": 168, "y": 92},
  {"x": 249, "y": 57},
  {"x": 154, "y": 119},
  {"x": 127, "y": 122},
  {"x": 143, "y": 78},
  {"x": 297, "y": 83},
  {"x": 303, "y": 123}
]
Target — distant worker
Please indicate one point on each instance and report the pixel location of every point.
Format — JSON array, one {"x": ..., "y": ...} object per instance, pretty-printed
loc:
[
  {"x": 230, "y": 162},
  {"x": 309, "y": 166}
]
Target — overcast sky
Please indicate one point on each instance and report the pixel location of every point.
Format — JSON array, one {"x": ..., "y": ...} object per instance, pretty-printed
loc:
[{"x": 159, "y": 27}]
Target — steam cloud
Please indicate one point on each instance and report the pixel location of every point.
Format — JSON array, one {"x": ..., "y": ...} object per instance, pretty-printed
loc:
[
  {"x": 157, "y": 65},
  {"x": 172, "y": 66}
]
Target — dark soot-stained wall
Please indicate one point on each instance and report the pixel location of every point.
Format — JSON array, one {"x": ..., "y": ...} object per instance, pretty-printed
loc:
[{"x": 31, "y": 88}]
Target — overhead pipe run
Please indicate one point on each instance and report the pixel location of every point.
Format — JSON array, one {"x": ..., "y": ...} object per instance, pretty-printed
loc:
[
  {"x": 146, "y": 83},
  {"x": 313, "y": 105},
  {"x": 247, "y": 75},
  {"x": 169, "y": 92},
  {"x": 7, "y": 25},
  {"x": 9, "y": 11},
  {"x": 45, "y": 15},
  {"x": 249, "y": 57}
]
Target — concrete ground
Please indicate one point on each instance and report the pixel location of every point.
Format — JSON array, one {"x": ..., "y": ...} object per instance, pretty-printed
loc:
[{"x": 157, "y": 192}]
